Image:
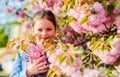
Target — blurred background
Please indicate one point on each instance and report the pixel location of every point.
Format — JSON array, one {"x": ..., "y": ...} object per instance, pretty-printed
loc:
[
  {"x": 10, "y": 27},
  {"x": 15, "y": 21}
]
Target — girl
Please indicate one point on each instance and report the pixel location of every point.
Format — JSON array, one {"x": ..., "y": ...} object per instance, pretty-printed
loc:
[{"x": 44, "y": 25}]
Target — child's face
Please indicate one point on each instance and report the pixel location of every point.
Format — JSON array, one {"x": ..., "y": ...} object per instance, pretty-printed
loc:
[{"x": 44, "y": 29}]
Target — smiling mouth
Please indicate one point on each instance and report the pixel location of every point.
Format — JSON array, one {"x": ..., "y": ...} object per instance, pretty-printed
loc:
[{"x": 45, "y": 38}]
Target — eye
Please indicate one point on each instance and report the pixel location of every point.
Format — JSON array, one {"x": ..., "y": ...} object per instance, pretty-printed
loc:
[
  {"x": 49, "y": 29},
  {"x": 39, "y": 30}
]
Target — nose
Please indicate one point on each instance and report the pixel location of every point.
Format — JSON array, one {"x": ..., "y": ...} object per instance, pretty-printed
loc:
[{"x": 44, "y": 33}]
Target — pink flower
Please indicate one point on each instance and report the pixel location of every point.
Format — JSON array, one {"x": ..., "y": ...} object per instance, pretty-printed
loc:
[
  {"x": 21, "y": 13},
  {"x": 77, "y": 27},
  {"x": 115, "y": 46},
  {"x": 26, "y": 24},
  {"x": 98, "y": 7},
  {"x": 69, "y": 32},
  {"x": 106, "y": 56},
  {"x": 95, "y": 23},
  {"x": 35, "y": 51},
  {"x": 76, "y": 74},
  {"x": 74, "y": 12},
  {"x": 116, "y": 74},
  {"x": 109, "y": 20},
  {"x": 42, "y": 5},
  {"x": 103, "y": 75},
  {"x": 10, "y": 9},
  {"x": 78, "y": 63},
  {"x": 52, "y": 57},
  {"x": 57, "y": 6},
  {"x": 98, "y": 28},
  {"x": 90, "y": 72},
  {"x": 116, "y": 10},
  {"x": 35, "y": 8},
  {"x": 67, "y": 69},
  {"x": 118, "y": 24},
  {"x": 111, "y": 55},
  {"x": 67, "y": 39},
  {"x": 50, "y": 3}
]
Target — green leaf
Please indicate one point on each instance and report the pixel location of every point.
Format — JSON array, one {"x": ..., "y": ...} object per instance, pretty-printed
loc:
[
  {"x": 109, "y": 39},
  {"x": 87, "y": 35},
  {"x": 96, "y": 45},
  {"x": 76, "y": 2},
  {"x": 83, "y": 20},
  {"x": 104, "y": 47},
  {"x": 86, "y": 59},
  {"x": 70, "y": 5},
  {"x": 71, "y": 18},
  {"x": 51, "y": 51},
  {"x": 72, "y": 59},
  {"x": 65, "y": 16},
  {"x": 63, "y": 7},
  {"x": 78, "y": 52},
  {"x": 116, "y": 3},
  {"x": 93, "y": 39},
  {"x": 63, "y": 60},
  {"x": 117, "y": 15},
  {"x": 53, "y": 74},
  {"x": 18, "y": 47},
  {"x": 50, "y": 71},
  {"x": 1, "y": 30},
  {"x": 61, "y": 56},
  {"x": 3, "y": 40},
  {"x": 24, "y": 45},
  {"x": 110, "y": 9},
  {"x": 63, "y": 75},
  {"x": 15, "y": 23}
]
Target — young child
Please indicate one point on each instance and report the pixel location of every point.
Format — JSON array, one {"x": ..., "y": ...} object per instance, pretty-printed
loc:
[{"x": 44, "y": 25}]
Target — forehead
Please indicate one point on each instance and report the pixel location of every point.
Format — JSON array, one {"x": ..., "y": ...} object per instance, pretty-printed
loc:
[{"x": 43, "y": 23}]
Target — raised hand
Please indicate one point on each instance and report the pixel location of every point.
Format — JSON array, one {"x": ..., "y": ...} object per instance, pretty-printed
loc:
[{"x": 37, "y": 67}]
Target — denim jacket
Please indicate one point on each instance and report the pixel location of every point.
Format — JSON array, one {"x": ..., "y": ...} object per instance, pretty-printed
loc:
[{"x": 20, "y": 65}]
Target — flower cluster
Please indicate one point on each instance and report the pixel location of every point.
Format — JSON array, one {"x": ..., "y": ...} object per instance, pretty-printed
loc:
[
  {"x": 88, "y": 39},
  {"x": 35, "y": 51},
  {"x": 47, "y": 4},
  {"x": 111, "y": 55},
  {"x": 93, "y": 18},
  {"x": 64, "y": 63}
]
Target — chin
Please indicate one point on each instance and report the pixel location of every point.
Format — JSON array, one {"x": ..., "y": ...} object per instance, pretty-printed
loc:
[{"x": 44, "y": 39}]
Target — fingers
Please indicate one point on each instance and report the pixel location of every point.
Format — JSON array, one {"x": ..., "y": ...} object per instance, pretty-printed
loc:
[
  {"x": 43, "y": 71},
  {"x": 31, "y": 60},
  {"x": 44, "y": 67},
  {"x": 42, "y": 64},
  {"x": 41, "y": 59}
]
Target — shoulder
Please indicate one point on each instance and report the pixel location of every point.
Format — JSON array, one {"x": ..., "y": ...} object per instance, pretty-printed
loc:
[{"x": 22, "y": 56}]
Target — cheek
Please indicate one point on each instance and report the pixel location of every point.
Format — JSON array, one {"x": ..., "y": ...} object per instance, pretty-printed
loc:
[
  {"x": 52, "y": 34},
  {"x": 35, "y": 31},
  {"x": 38, "y": 36}
]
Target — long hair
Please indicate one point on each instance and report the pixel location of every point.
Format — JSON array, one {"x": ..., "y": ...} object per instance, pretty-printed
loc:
[{"x": 44, "y": 14}]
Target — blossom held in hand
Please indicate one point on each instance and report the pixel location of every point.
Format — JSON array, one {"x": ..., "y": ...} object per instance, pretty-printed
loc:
[{"x": 35, "y": 51}]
